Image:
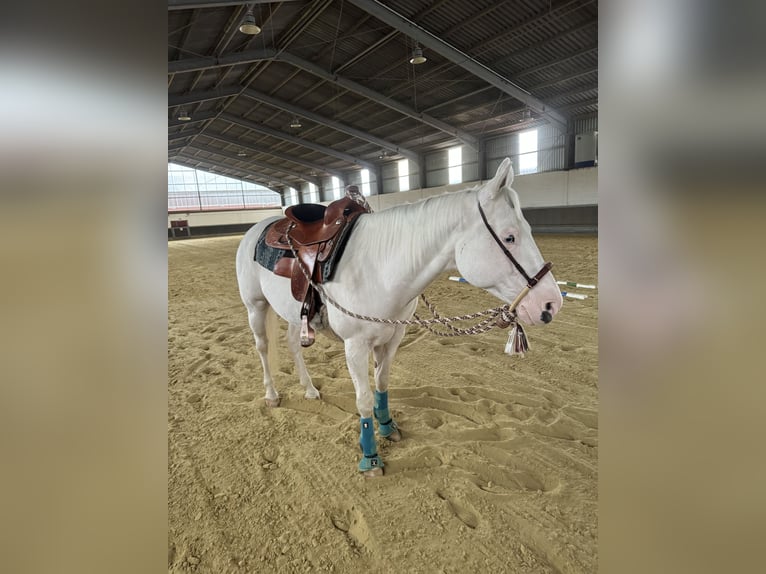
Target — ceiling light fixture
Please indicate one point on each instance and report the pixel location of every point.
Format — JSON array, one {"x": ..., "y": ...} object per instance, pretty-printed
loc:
[
  {"x": 417, "y": 55},
  {"x": 296, "y": 123},
  {"x": 248, "y": 25},
  {"x": 183, "y": 116},
  {"x": 241, "y": 153}
]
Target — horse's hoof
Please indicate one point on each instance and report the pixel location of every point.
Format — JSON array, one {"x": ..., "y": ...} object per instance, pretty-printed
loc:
[
  {"x": 272, "y": 403},
  {"x": 395, "y": 436},
  {"x": 313, "y": 396},
  {"x": 373, "y": 473}
]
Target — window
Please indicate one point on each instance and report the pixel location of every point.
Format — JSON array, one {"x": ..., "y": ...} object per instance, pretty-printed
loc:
[
  {"x": 293, "y": 196},
  {"x": 366, "y": 182},
  {"x": 190, "y": 189},
  {"x": 313, "y": 196},
  {"x": 528, "y": 152},
  {"x": 455, "y": 163},
  {"x": 335, "y": 188},
  {"x": 404, "y": 174}
]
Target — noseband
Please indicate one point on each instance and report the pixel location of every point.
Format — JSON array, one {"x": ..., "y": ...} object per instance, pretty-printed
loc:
[{"x": 531, "y": 281}]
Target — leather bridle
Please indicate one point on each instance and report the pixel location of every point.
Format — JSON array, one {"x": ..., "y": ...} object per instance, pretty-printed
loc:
[{"x": 531, "y": 281}]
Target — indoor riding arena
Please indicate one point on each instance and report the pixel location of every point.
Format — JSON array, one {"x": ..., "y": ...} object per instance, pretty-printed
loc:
[{"x": 277, "y": 104}]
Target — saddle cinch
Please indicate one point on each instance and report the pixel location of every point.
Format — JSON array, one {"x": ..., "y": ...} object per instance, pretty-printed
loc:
[{"x": 318, "y": 235}]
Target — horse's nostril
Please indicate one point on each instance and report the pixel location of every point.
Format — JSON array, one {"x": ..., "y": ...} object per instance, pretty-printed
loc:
[
  {"x": 546, "y": 317},
  {"x": 549, "y": 306}
]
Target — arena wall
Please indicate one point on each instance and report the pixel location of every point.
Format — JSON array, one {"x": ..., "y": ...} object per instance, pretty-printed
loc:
[{"x": 563, "y": 201}]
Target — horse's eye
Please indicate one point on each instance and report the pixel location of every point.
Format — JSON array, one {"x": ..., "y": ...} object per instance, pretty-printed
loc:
[{"x": 510, "y": 239}]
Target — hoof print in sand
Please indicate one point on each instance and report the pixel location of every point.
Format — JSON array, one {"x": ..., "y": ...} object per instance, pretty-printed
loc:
[
  {"x": 270, "y": 454},
  {"x": 462, "y": 510},
  {"x": 351, "y": 522}
]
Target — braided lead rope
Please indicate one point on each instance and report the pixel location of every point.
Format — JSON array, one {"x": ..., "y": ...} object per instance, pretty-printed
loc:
[
  {"x": 496, "y": 317},
  {"x": 481, "y": 327}
]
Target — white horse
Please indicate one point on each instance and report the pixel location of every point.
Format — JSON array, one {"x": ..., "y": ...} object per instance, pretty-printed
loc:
[{"x": 390, "y": 258}]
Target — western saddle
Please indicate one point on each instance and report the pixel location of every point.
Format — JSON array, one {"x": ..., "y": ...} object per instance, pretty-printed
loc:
[{"x": 318, "y": 235}]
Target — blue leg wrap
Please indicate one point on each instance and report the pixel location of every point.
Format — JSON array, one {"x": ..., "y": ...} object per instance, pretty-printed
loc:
[
  {"x": 386, "y": 424},
  {"x": 370, "y": 458}
]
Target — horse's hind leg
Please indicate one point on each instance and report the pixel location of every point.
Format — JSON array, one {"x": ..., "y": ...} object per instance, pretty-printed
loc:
[
  {"x": 257, "y": 315},
  {"x": 294, "y": 344},
  {"x": 384, "y": 356}
]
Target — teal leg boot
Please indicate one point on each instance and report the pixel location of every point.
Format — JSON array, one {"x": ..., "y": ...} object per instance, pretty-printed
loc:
[
  {"x": 386, "y": 425},
  {"x": 371, "y": 464}
]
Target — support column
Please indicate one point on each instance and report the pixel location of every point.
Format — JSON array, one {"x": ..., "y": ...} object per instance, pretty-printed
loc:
[
  {"x": 422, "y": 172},
  {"x": 569, "y": 141},
  {"x": 378, "y": 180},
  {"x": 482, "y": 159}
]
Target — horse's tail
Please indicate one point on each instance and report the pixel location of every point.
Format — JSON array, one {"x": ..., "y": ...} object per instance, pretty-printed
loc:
[{"x": 272, "y": 335}]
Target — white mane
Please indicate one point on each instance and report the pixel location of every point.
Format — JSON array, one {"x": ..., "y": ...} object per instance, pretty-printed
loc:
[{"x": 432, "y": 218}]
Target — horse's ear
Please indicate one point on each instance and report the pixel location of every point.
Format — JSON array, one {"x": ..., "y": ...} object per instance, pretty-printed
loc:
[
  {"x": 509, "y": 175},
  {"x": 494, "y": 185}
]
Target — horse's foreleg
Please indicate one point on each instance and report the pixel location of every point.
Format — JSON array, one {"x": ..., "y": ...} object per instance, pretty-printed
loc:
[
  {"x": 357, "y": 357},
  {"x": 257, "y": 316},
  {"x": 294, "y": 344},
  {"x": 384, "y": 356}
]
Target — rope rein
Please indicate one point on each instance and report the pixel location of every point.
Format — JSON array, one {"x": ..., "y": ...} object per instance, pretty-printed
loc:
[{"x": 499, "y": 317}]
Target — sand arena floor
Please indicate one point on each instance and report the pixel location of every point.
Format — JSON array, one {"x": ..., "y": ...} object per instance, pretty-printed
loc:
[{"x": 497, "y": 470}]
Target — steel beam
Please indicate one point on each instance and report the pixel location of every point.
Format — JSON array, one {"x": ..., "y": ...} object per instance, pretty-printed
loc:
[
  {"x": 577, "y": 92},
  {"x": 202, "y": 117},
  {"x": 192, "y": 64},
  {"x": 254, "y": 126},
  {"x": 183, "y": 135},
  {"x": 189, "y": 4},
  {"x": 352, "y": 86},
  {"x": 176, "y": 147},
  {"x": 253, "y": 162},
  {"x": 195, "y": 97},
  {"x": 206, "y": 63},
  {"x": 368, "y": 50},
  {"x": 268, "y": 151},
  {"x": 212, "y": 150},
  {"x": 186, "y": 31},
  {"x": 298, "y": 111},
  {"x": 519, "y": 75},
  {"x": 552, "y": 63},
  {"x": 399, "y": 22},
  {"x": 537, "y": 45},
  {"x": 574, "y": 76},
  {"x": 575, "y": 105}
]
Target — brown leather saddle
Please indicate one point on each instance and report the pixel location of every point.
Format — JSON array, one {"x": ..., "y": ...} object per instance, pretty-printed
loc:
[{"x": 318, "y": 235}]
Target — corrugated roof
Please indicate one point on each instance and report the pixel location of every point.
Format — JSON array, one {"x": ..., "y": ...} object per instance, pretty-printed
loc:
[{"x": 363, "y": 80}]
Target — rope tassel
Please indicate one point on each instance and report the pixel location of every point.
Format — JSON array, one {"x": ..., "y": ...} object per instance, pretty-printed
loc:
[{"x": 517, "y": 343}]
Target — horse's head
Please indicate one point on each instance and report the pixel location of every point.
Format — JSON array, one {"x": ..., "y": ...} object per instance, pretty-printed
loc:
[{"x": 481, "y": 259}]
